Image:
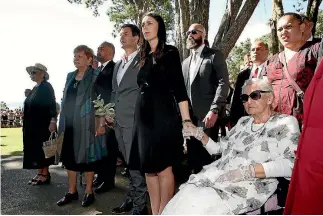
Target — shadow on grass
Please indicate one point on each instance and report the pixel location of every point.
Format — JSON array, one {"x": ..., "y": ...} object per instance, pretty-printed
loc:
[
  {"x": 17, "y": 153},
  {"x": 3, "y": 145},
  {"x": 14, "y": 153},
  {"x": 3, "y": 136}
]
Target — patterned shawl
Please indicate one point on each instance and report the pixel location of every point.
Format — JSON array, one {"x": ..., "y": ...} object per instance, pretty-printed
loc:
[{"x": 87, "y": 147}]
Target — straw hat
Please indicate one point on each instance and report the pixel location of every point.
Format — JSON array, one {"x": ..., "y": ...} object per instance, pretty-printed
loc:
[{"x": 38, "y": 67}]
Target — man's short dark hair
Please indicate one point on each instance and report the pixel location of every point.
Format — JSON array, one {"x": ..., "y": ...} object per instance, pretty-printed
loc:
[
  {"x": 110, "y": 45},
  {"x": 134, "y": 29}
]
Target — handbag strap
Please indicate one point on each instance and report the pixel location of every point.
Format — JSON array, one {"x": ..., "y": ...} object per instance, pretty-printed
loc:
[
  {"x": 53, "y": 135},
  {"x": 298, "y": 90}
]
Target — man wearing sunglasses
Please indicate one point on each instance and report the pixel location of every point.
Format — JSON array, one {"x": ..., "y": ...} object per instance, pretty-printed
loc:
[
  {"x": 258, "y": 55},
  {"x": 207, "y": 84}
]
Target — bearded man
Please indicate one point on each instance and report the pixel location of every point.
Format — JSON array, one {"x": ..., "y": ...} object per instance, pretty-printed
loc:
[{"x": 207, "y": 84}]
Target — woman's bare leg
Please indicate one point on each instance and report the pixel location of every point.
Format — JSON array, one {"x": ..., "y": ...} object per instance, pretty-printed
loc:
[
  {"x": 154, "y": 192},
  {"x": 89, "y": 176},
  {"x": 167, "y": 187},
  {"x": 71, "y": 181}
]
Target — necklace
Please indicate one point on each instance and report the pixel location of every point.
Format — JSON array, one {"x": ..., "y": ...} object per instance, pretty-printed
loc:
[
  {"x": 262, "y": 125},
  {"x": 76, "y": 83}
]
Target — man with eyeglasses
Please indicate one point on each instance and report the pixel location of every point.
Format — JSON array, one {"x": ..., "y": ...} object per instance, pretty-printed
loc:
[
  {"x": 259, "y": 54},
  {"x": 207, "y": 83}
]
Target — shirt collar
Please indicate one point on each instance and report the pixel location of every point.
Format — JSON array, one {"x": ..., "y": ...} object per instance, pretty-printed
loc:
[
  {"x": 199, "y": 50},
  {"x": 130, "y": 57},
  {"x": 105, "y": 64},
  {"x": 311, "y": 38}
]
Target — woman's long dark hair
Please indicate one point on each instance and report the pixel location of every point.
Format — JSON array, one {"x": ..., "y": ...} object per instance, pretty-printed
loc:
[{"x": 161, "y": 34}]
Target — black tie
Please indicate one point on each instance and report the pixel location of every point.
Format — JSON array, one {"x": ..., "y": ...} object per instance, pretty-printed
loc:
[{"x": 100, "y": 68}]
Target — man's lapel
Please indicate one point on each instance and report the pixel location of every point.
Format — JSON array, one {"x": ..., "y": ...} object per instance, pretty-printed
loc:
[
  {"x": 186, "y": 69},
  {"x": 133, "y": 64},
  {"x": 115, "y": 72},
  {"x": 198, "y": 64}
]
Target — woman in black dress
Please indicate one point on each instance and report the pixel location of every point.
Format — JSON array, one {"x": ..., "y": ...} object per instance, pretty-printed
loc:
[
  {"x": 157, "y": 126},
  {"x": 38, "y": 123}
]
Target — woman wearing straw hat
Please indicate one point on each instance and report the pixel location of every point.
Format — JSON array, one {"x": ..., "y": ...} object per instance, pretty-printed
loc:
[{"x": 39, "y": 121}]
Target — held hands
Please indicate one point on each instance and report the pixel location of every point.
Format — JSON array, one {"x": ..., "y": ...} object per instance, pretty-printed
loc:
[
  {"x": 210, "y": 119},
  {"x": 109, "y": 121},
  {"x": 196, "y": 132},
  {"x": 241, "y": 174}
]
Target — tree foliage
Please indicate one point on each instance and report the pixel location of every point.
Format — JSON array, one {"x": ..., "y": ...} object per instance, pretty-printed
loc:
[
  {"x": 132, "y": 11},
  {"x": 236, "y": 57},
  {"x": 3, "y": 105},
  {"x": 319, "y": 24},
  {"x": 91, "y": 4}
]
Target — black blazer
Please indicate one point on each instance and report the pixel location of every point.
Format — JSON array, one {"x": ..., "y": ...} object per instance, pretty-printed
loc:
[
  {"x": 210, "y": 87},
  {"x": 237, "y": 108},
  {"x": 104, "y": 82}
]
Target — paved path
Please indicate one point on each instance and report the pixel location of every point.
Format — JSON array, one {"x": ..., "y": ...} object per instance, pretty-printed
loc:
[{"x": 19, "y": 198}]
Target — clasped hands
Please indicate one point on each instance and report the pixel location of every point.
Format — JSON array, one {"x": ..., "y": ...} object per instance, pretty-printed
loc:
[{"x": 106, "y": 121}]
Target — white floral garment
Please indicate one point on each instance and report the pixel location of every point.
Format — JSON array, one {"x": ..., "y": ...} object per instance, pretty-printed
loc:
[{"x": 277, "y": 140}]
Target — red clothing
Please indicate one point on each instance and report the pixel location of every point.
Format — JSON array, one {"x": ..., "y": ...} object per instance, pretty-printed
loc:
[
  {"x": 301, "y": 67},
  {"x": 305, "y": 194}
]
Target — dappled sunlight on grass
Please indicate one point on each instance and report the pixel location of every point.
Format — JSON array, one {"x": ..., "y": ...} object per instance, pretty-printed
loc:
[{"x": 11, "y": 141}]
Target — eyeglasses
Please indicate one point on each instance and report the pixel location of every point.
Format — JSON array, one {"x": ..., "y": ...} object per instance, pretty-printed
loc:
[
  {"x": 193, "y": 32},
  {"x": 255, "y": 95}
]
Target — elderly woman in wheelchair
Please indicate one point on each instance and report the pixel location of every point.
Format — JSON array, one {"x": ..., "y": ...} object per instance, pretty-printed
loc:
[{"x": 257, "y": 152}]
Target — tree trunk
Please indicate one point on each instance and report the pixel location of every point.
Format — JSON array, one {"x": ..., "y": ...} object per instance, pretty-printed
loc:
[
  {"x": 200, "y": 13},
  {"x": 178, "y": 33},
  {"x": 184, "y": 25},
  {"x": 277, "y": 12},
  {"x": 231, "y": 27},
  {"x": 313, "y": 11}
]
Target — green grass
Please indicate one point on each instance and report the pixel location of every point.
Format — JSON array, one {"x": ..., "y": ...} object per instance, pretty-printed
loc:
[{"x": 11, "y": 141}]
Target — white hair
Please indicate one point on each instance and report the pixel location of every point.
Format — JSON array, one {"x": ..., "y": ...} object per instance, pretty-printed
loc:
[{"x": 263, "y": 84}]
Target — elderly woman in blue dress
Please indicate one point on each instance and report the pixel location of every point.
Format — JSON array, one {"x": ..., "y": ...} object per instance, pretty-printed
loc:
[
  {"x": 83, "y": 144},
  {"x": 258, "y": 150}
]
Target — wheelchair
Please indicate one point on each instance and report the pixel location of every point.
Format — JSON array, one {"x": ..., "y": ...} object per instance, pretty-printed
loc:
[{"x": 281, "y": 196}]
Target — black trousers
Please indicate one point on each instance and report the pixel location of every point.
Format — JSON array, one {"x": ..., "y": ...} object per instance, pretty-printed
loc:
[
  {"x": 197, "y": 155},
  {"x": 107, "y": 166}
]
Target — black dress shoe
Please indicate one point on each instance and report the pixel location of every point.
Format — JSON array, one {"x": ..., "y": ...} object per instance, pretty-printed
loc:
[
  {"x": 104, "y": 187},
  {"x": 88, "y": 199},
  {"x": 125, "y": 207},
  {"x": 69, "y": 197},
  {"x": 144, "y": 211}
]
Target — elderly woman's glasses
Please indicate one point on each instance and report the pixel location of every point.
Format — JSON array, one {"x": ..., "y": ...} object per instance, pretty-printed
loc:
[
  {"x": 255, "y": 95},
  {"x": 193, "y": 32}
]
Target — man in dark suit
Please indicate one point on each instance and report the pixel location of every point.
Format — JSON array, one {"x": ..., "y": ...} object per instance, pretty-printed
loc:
[
  {"x": 207, "y": 83},
  {"x": 124, "y": 94},
  {"x": 107, "y": 169},
  {"x": 308, "y": 30},
  {"x": 259, "y": 54}
]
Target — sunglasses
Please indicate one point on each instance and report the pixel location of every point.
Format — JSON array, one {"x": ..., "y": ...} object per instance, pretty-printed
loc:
[
  {"x": 34, "y": 72},
  {"x": 193, "y": 32},
  {"x": 255, "y": 95}
]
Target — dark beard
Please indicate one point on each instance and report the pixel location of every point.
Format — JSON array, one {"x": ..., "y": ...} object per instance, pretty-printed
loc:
[
  {"x": 99, "y": 58},
  {"x": 191, "y": 43}
]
